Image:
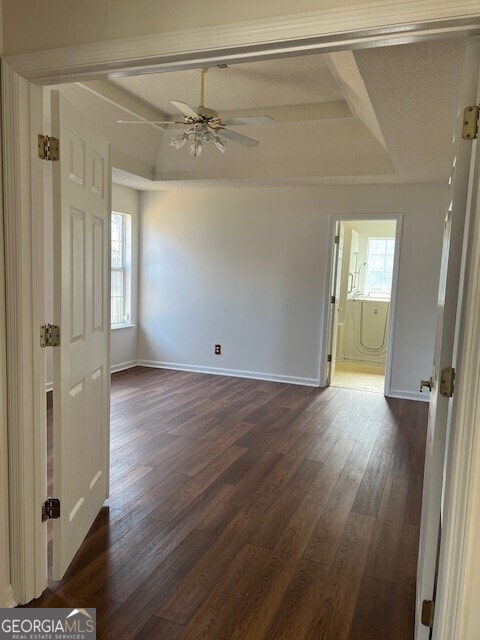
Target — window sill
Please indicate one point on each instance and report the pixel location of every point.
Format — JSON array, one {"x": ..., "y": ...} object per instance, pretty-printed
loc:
[
  {"x": 371, "y": 298},
  {"x": 114, "y": 327}
]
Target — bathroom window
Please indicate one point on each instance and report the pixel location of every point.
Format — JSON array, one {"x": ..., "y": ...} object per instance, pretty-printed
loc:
[
  {"x": 379, "y": 273},
  {"x": 121, "y": 269}
]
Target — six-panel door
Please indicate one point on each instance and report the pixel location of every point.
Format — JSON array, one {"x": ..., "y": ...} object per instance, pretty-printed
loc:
[{"x": 81, "y": 201}]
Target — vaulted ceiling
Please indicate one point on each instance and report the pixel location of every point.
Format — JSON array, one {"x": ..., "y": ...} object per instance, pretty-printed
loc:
[{"x": 376, "y": 115}]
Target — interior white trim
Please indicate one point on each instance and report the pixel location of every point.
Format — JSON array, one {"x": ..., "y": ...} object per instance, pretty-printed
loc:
[
  {"x": 370, "y": 24},
  {"x": 123, "y": 366},
  {"x": 6, "y": 595},
  {"x": 235, "y": 373},
  {"x": 457, "y": 615},
  {"x": 22, "y": 113},
  {"x": 117, "y": 327},
  {"x": 444, "y": 431},
  {"x": 345, "y": 70},
  {"x": 327, "y": 318},
  {"x": 117, "y": 96},
  {"x": 408, "y": 395}
]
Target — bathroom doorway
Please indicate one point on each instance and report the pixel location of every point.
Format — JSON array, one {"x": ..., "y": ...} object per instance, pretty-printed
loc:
[{"x": 364, "y": 268}]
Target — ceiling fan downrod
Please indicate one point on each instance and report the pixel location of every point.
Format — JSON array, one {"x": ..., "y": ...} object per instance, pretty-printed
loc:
[{"x": 202, "y": 87}]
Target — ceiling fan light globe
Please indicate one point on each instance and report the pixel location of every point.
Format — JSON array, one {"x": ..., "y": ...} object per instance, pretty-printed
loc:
[
  {"x": 221, "y": 146},
  {"x": 208, "y": 137},
  {"x": 196, "y": 148},
  {"x": 177, "y": 141}
]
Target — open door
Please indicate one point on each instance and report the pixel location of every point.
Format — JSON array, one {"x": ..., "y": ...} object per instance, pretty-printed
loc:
[
  {"x": 335, "y": 299},
  {"x": 81, "y": 417},
  {"x": 449, "y": 302}
]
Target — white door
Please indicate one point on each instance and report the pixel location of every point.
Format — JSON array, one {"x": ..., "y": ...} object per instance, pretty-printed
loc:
[
  {"x": 81, "y": 203},
  {"x": 445, "y": 342},
  {"x": 335, "y": 298}
]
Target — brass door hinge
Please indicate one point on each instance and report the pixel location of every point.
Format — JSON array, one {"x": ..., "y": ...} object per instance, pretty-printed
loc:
[
  {"x": 337, "y": 239},
  {"x": 49, "y": 335},
  {"x": 470, "y": 122},
  {"x": 51, "y": 509},
  {"x": 428, "y": 612},
  {"x": 48, "y": 147},
  {"x": 329, "y": 358},
  {"x": 332, "y": 299},
  {"x": 447, "y": 382}
]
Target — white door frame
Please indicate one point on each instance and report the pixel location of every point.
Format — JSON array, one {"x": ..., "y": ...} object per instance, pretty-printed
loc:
[
  {"x": 335, "y": 244},
  {"x": 443, "y": 428},
  {"x": 22, "y": 113},
  {"x": 373, "y": 24},
  {"x": 457, "y": 614},
  {"x": 6, "y": 592},
  {"x": 327, "y": 333}
]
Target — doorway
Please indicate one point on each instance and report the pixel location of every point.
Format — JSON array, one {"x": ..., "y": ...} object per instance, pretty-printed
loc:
[
  {"x": 20, "y": 255},
  {"x": 362, "y": 303}
]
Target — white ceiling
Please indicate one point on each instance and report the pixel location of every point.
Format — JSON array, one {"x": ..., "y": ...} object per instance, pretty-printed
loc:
[
  {"x": 252, "y": 85},
  {"x": 341, "y": 147},
  {"x": 133, "y": 150},
  {"x": 393, "y": 106},
  {"x": 413, "y": 89}
]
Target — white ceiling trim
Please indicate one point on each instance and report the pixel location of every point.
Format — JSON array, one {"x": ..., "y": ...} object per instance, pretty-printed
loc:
[
  {"x": 347, "y": 74},
  {"x": 297, "y": 112},
  {"x": 117, "y": 96},
  {"x": 373, "y": 23},
  {"x": 127, "y": 179}
]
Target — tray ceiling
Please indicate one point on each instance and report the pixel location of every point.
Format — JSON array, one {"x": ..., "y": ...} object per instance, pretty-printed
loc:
[
  {"x": 379, "y": 115},
  {"x": 252, "y": 85}
]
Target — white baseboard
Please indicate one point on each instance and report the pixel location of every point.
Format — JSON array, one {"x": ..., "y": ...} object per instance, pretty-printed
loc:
[
  {"x": 409, "y": 395},
  {"x": 251, "y": 375},
  {"x": 115, "y": 368},
  {"x": 217, "y": 371}
]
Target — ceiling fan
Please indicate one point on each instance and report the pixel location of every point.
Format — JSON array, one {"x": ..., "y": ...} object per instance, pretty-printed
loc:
[{"x": 205, "y": 126}]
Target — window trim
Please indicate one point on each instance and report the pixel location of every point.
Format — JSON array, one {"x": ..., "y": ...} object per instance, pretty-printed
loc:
[
  {"x": 126, "y": 269},
  {"x": 367, "y": 291}
]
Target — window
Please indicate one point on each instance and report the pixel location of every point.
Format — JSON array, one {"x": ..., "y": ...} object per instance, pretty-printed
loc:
[
  {"x": 121, "y": 269},
  {"x": 379, "y": 273}
]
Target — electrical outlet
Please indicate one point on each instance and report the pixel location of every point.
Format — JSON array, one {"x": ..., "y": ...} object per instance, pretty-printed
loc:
[{"x": 218, "y": 349}]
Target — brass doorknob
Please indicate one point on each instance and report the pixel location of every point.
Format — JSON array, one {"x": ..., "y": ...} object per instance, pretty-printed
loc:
[{"x": 426, "y": 383}]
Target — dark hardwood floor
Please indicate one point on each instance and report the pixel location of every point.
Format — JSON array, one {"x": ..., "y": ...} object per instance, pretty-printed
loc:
[{"x": 249, "y": 510}]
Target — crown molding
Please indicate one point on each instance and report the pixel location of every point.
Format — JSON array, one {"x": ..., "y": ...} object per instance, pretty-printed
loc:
[{"x": 370, "y": 24}]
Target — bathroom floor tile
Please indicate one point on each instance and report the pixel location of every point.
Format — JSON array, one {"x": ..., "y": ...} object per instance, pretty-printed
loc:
[{"x": 368, "y": 376}]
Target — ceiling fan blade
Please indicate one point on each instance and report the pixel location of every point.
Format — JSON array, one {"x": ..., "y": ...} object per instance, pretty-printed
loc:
[
  {"x": 249, "y": 120},
  {"x": 185, "y": 108},
  {"x": 148, "y": 122},
  {"x": 238, "y": 137}
]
